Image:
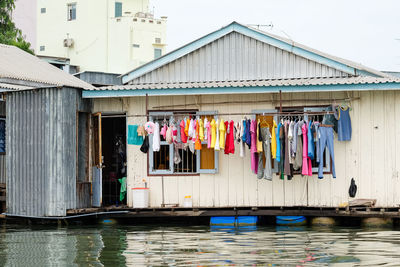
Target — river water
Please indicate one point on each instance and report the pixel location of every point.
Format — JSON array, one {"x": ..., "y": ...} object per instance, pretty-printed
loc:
[{"x": 155, "y": 245}]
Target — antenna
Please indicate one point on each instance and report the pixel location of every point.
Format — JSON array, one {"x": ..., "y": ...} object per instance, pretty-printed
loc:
[{"x": 261, "y": 25}]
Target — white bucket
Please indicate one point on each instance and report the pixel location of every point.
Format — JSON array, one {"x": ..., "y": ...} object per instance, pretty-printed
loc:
[
  {"x": 140, "y": 197},
  {"x": 187, "y": 202}
]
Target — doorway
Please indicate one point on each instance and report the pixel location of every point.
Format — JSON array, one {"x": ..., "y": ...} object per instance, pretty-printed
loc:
[{"x": 113, "y": 142}]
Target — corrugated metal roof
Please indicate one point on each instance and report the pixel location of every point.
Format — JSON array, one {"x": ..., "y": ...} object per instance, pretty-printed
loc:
[
  {"x": 20, "y": 65},
  {"x": 16, "y": 87},
  {"x": 251, "y": 83},
  {"x": 286, "y": 44},
  {"x": 323, "y": 54}
]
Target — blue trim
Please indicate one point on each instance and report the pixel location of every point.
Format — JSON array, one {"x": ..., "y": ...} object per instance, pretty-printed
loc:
[
  {"x": 241, "y": 90},
  {"x": 234, "y": 26}
]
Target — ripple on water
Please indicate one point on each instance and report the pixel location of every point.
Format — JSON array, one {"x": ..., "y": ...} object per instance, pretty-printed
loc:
[{"x": 121, "y": 245}]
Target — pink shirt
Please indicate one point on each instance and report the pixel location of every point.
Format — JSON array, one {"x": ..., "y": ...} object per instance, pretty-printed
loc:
[
  {"x": 253, "y": 147},
  {"x": 307, "y": 166}
]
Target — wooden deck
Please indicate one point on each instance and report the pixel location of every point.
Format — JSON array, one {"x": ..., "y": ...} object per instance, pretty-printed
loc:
[{"x": 361, "y": 212}]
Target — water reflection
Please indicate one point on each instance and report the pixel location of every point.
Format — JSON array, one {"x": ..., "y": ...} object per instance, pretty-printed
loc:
[{"x": 121, "y": 245}]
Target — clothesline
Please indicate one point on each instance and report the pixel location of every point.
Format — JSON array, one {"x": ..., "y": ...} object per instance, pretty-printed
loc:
[{"x": 201, "y": 113}]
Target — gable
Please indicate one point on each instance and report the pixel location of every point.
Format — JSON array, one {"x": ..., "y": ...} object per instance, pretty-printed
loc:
[{"x": 235, "y": 56}]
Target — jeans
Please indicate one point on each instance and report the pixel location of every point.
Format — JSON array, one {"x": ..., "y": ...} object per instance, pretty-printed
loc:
[
  {"x": 265, "y": 172},
  {"x": 326, "y": 140}
]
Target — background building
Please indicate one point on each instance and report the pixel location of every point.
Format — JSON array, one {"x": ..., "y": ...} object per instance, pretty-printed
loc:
[
  {"x": 24, "y": 17},
  {"x": 94, "y": 35}
]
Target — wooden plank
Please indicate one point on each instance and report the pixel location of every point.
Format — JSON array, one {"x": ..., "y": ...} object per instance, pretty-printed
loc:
[
  {"x": 390, "y": 148},
  {"x": 222, "y": 177},
  {"x": 250, "y": 184},
  {"x": 377, "y": 177},
  {"x": 207, "y": 192},
  {"x": 235, "y": 167},
  {"x": 396, "y": 178},
  {"x": 366, "y": 160}
]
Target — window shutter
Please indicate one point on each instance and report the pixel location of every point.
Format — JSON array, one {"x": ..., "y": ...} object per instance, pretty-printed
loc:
[
  {"x": 118, "y": 9},
  {"x": 157, "y": 53},
  {"x": 199, "y": 160}
]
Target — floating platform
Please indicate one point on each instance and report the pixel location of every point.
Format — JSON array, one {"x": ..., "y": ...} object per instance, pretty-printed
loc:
[{"x": 126, "y": 212}]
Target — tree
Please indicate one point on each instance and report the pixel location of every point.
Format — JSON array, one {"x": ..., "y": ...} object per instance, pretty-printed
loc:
[{"x": 9, "y": 34}]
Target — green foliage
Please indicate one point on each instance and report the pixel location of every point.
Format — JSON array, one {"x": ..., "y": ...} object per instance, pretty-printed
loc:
[{"x": 9, "y": 34}]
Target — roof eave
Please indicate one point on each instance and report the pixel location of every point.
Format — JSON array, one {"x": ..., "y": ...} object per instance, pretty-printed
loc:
[{"x": 242, "y": 90}]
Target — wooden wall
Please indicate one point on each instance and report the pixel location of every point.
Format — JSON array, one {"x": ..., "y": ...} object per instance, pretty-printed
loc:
[{"x": 372, "y": 157}]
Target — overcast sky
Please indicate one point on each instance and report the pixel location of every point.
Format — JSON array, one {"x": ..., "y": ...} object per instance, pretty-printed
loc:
[{"x": 364, "y": 31}]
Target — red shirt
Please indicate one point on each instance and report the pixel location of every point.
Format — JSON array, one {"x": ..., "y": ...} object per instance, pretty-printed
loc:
[{"x": 230, "y": 138}]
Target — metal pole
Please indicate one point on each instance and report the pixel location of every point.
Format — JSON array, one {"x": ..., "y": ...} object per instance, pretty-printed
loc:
[
  {"x": 280, "y": 101},
  {"x": 147, "y": 106}
]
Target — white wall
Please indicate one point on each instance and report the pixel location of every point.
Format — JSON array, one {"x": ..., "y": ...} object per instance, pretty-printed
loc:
[{"x": 372, "y": 157}]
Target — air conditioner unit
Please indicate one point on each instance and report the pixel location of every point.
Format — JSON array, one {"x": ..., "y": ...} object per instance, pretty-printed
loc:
[{"x": 69, "y": 42}]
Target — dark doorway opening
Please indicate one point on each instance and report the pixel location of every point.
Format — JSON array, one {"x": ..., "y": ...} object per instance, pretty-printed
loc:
[{"x": 114, "y": 159}]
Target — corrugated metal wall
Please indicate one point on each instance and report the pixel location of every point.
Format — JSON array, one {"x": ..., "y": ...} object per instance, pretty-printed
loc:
[
  {"x": 237, "y": 57},
  {"x": 3, "y": 157},
  {"x": 41, "y": 159}
]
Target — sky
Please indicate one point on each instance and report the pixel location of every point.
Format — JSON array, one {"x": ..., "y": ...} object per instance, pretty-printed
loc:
[{"x": 364, "y": 31}]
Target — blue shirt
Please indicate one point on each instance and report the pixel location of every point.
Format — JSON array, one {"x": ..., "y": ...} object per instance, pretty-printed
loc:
[
  {"x": 278, "y": 143},
  {"x": 310, "y": 135},
  {"x": 344, "y": 125}
]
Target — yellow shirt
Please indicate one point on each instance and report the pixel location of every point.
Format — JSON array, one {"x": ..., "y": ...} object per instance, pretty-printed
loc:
[
  {"x": 259, "y": 143},
  {"x": 222, "y": 131},
  {"x": 273, "y": 141},
  {"x": 213, "y": 133},
  {"x": 201, "y": 130}
]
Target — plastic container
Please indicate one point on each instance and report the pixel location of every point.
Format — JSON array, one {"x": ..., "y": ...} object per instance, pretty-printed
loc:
[
  {"x": 291, "y": 220},
  {"x": 222, "y": 221},
  {"x": 187, "y": 202},
  {"x": 140, "y": 197},
  {"x": 246, "y": 220}
]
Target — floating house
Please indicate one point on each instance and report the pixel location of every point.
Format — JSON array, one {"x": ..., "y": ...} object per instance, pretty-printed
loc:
[
  {"x": 69, "y": 145},
  {"x": 238, "y": 72},
  {"x": 46, "y": 146}
]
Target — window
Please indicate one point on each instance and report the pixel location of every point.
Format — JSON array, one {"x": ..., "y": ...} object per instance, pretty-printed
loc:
[
  {"x": 42, "y": 48},
  {"x": 157, "y": 53},
  {"x": 268, "y": 119},
  {"x": 164, "y": 161},
  {"x": 158, "y": 40},
  {"x": 2, "y": 135},
  {"x": 71, "y": 11},
  {"x": 118, "y": 9},
  {"x": 43, "y": 10},
  {"x": 136, "y": 45},
  {"x": 326, "y": 156},
  {"x": 327, "y": 159}
]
